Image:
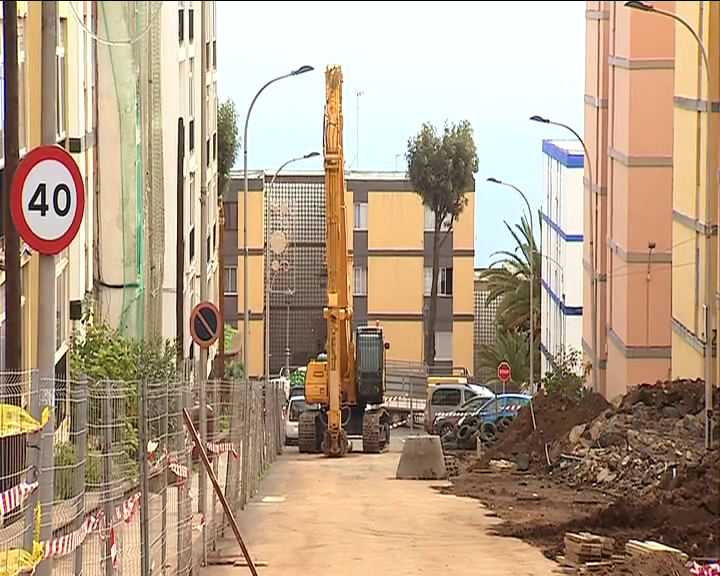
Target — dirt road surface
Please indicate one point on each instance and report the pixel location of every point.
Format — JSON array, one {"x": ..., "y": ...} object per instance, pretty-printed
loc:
[{"x": 316, "y": 516}]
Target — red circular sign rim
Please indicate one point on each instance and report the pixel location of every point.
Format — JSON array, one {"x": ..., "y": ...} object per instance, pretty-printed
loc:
[
  {"x": 193, "y": 316},
  {"x": 502, "y": 368},
  {"x": 30, "y": 161}
]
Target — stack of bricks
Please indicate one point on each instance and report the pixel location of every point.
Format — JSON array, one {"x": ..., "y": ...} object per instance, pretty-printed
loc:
[{"x": 586, "y": 553}]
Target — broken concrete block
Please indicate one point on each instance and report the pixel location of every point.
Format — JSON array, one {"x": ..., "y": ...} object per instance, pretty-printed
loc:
[{"x": 421, "y": 459}]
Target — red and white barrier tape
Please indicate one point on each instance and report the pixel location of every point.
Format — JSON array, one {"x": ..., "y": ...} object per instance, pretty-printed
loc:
[
  {"x": 705, "y": 570},
  {"x": 14, "y": 497},
  {"x": 221, "y": 448}
]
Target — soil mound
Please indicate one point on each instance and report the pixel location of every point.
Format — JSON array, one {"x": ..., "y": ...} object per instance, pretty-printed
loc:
[
  {"x": 555, "y": 416},
  {"x": 683, "y": 396}
]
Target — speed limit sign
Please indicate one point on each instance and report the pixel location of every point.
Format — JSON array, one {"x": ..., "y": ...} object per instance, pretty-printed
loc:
[{"x": 47, "y": 199}]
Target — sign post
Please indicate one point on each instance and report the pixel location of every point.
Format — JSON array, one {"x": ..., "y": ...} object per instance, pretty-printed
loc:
[{"x": 205, "y": 324}]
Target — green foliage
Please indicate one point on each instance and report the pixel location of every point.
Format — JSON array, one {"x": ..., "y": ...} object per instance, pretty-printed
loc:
[
  {"x": 441, "y": 168},
  {"x": 229, "y": 334},
  {"x": 567, "y": 375},
  {"x": 233, "y": 370},
  {"x": 66, "y": 463},
  {"x": 510, "y": 346},
  {"x": 228, "y": 141}
]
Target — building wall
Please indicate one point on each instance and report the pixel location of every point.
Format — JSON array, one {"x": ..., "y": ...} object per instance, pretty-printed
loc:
[
  {"x": 391, "y": 245},
  {"x": 690, "y": 198},
  {"x": 75, "y": 132},
  {"x": 485, "y": 330},
  {"x": 562, "y": 237},
  {"x": 629, "y": 132}
]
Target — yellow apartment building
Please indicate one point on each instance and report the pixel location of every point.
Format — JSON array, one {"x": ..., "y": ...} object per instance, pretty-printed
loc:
[
  {"x": 75, "y": 127},
  {"x": 691, "y": 193},
  {"x": 391, "y": 243}
]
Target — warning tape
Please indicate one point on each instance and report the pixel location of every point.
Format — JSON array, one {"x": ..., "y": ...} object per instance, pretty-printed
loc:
[
  {"x": 705, "y": 570},
  {"x": 14, "y": 497},
  {"x": 221, "y": 448}
]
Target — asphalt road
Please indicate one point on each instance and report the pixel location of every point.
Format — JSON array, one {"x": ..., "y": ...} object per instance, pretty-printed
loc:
[{"x": 315, "y": 516}]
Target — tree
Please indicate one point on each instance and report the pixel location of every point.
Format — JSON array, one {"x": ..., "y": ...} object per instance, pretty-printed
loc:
[
  {"x": 508, "y": 279},
  {"x": 567, "y": 374},
  {"x": 510, "y": 346},
  {"x": 441, "y": 168},
  {"x": 228, "y": 133}
]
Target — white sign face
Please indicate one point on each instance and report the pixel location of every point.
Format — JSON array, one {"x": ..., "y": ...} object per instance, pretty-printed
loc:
[{"x": 49, "y": 200}]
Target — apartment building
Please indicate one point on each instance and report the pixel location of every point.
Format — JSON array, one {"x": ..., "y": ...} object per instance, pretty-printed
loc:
[
  {"x": 76, "y": 130},
  {"x": 562, "y": 237},
  {"x": 629, "y": 134},
  {"x": 137, "y": 209},
  {"x": 391, "y": 246},
  {"x": 485, "y": 329},
  {"x": 690, "y": 257}
]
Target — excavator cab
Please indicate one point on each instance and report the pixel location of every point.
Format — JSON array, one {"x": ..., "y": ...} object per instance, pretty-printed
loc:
[{"x": 370, "y": 349}]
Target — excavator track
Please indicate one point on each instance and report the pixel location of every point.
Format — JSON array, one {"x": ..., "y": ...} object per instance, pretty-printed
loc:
[
  {"x": 308, "y": 441},
  {"x": 376, "y": 431}
]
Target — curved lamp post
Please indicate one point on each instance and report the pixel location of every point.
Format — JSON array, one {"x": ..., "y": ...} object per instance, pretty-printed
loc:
[
  {"x": 643, "y": 7},
  {"x": 532, "y": 276},
  {"x": 593, "y": 221},
  {"x": 266, "y": 318}
]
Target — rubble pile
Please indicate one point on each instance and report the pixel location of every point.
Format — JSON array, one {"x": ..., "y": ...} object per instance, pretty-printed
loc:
[{"x": 650, "y": 439}]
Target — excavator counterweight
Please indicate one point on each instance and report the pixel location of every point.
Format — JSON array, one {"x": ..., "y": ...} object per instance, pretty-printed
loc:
[{"x": 348, "y": 385}]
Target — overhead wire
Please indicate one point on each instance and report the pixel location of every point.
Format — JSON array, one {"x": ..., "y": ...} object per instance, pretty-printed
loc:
[{"x": 154, "y": 18}]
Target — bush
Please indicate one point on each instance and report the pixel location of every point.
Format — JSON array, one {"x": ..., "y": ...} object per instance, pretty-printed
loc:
[
  {"x": 567, "y": 375},
  {"x": 65, "y": 465}
]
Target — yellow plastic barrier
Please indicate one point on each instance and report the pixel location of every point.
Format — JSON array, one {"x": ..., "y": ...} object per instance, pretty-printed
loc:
[
  {"x": 19, "y": 561},
  {"x": 15, "y": 420}
]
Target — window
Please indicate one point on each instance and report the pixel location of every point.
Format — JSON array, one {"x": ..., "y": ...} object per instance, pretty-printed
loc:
[
  {"x": 191, "y": 200},
  {"x": 430, "y": 221},
  {"x": 446, "y": 397},
  {"x": 361, "y": 216},
  {"x": 191, "y": 88},
  {"x": 191, "y": 245},
  {"x": 61, "y": 301},
  {"x": 359, "y": 281},
  {"x": 445, "y": 281},
  {"x": 231, "y": 216},
  {"x": 191, "y": 23},
  {"x": 443, "y": 346},
  {"x": 181, "y": 21},
  {"x": 230, "y": 280},
  {"x": 61, "y": 81}
]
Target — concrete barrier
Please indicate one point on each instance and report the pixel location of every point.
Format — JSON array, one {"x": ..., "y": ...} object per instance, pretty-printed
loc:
[{"x": 421, "y": 459}]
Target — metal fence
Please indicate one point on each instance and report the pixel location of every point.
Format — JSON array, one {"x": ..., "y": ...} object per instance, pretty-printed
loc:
[{"x": 114, "y": 485}]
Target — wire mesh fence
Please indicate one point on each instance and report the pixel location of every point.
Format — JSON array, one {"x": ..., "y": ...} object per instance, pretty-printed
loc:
[{"x": 108, "y": 481}]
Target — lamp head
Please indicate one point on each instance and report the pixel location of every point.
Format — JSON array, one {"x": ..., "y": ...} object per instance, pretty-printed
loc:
[
  {"x": 540, "y": 119},
  {"x": 311, "y": 155},
  {"x": 637, "y": 5},
  {"x": 302, "y": 70},
  {"x": 493, "y": 180}
]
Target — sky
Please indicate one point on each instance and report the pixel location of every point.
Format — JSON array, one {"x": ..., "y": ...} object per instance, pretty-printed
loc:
[{"x": 492, "y": 63}]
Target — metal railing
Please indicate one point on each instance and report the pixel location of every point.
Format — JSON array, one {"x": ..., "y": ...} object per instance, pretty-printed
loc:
[{"x": 115, "y": 486}]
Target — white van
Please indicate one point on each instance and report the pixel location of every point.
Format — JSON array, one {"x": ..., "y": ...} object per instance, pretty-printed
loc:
[{"x": 296, "y": 406}]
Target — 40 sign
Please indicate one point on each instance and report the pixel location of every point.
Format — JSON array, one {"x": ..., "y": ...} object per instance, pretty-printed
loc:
[{"x": 47, "y": 199}]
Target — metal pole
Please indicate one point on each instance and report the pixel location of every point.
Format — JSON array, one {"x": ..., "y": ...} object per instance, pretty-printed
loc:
[
  {"x": 203, "y": 356},
  {"x": 46, "y": 269},
  {"x": 266, "y": 316},
  {"x": 180, "y": 247},
  {"x": 287, "y": 337},
  {"x": 709, "y": 177}
]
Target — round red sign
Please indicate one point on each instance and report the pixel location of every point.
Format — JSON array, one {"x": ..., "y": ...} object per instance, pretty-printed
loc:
[{"x": 504, "y": 371}]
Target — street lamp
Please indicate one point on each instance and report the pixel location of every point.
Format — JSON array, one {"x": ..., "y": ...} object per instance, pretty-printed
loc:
[
  {"x": 532, "y": 275},
  {"x": 593, "y": 223},
  {"x": 643, "y": 7},
  {"x": 246, "y": 274},
  {"x": 266, "y": 317}
]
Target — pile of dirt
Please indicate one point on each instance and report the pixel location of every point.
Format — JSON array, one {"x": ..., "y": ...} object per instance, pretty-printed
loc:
[
  {"x": 554, "y": 417},
  {"x": 649, "y": 565},
  {"x": 649, "y": 440}
]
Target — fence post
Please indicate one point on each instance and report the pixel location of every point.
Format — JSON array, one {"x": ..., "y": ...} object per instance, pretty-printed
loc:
[
  {"x": 47, "y": 469},
  {"x": 144, "y": 483},
  {"x": 202, "y": 479},
  {"x": 216, "y": 406},
  {"x": 165, "y": 407},
  {"x": 180, "y": 451},
  {"x": 108, "y": 425},
  {"x": 245, "y": 442},
  {"x": 232, "y": 471},
  {"x": 78, "y": 423},
  {"x": 412, "y": 403},
  {"x": 33, "y": 457},
  {"x": 186, "y": 518}
]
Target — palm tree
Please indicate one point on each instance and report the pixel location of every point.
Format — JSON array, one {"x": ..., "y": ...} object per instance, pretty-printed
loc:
[
  {"x": 510, "y": 346},
  {"x": 508, "y": 279}
]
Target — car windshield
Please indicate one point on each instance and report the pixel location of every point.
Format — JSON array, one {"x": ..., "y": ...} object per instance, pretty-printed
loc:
[
  {"x": 473, "y": 403},
  {"x": 297, "y": 407}
]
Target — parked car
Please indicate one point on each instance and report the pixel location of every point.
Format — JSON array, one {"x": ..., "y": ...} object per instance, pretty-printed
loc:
[
  {"x": 296, "y": 406},
  {"x": 449, "y": 397},
  {"x": 499, "y": 411},
  {"x": 446, "y": 421}
]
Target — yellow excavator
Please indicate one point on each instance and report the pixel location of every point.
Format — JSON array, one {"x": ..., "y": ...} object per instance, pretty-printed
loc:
[{"x": 349, "y": 385}]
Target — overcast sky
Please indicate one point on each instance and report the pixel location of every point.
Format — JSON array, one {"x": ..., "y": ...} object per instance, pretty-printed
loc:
[{"x": 493, "y": 63}]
